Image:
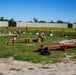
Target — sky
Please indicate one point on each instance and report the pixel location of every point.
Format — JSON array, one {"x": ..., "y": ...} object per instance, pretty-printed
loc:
[{"x": 47, "y": 10}]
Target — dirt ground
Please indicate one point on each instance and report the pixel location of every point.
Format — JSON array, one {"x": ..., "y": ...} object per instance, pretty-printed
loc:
[{"x": 8, "y": 66}]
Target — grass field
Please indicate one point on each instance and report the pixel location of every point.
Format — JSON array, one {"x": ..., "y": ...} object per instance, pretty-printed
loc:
[{"x": 21, "y": 51}]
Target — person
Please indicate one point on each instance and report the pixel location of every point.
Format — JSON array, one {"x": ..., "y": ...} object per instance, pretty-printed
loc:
[
  {"x": 51, "y": 32},
  {"x": 15, "y": 31},
  {"x": 26, "y": 29},
  {"x": 63, "y": 35},
  {"x": 36, "y": 32},
  {"x": 19, "y": 32},
  {"x": 42, "y": 36},
  {"x": 2, "y": 31},
  {"x": 45, "y": 51},
  {"x": 9, "y": 32}
]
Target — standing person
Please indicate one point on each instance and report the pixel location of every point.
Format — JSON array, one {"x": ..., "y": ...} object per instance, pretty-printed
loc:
[{"x": 42, "y": 35}]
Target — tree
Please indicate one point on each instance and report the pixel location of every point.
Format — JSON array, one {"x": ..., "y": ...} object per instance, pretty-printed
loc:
[
  {"x": 59, "y": 21},
  {"x": 30, "y": 21},
  {"x": 35, "y": 20},
  {"x": 2, "y": 19},
  {"x": 6, "y": 20},
  {"x": 19, "y": 21},
  {"x": 11, "y": 20},
  {"x": 52, "y": 21},
  {"x": 41, "y": 21},
  {"x": 74, "y": 22}
]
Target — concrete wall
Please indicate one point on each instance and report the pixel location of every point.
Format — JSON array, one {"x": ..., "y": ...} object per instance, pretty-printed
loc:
[
  {"x": 74, "y": 25},
  {"x": 3, "y": 24},
  {"x": 24, "y": 24}
]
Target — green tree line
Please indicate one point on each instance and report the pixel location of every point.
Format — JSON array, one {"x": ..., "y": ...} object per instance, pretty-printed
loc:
[
  {"x": 35, "y": 20},
  {"x": 10, "y": 20}
]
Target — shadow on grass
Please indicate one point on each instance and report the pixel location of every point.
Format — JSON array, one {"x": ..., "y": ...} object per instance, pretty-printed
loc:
[{"x": 56, "y": 49}]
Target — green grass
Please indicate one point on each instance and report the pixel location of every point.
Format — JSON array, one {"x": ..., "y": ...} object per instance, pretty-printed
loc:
[
  {"x": 20, "y": 50},
  {"x": 73, "y": 58}
]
